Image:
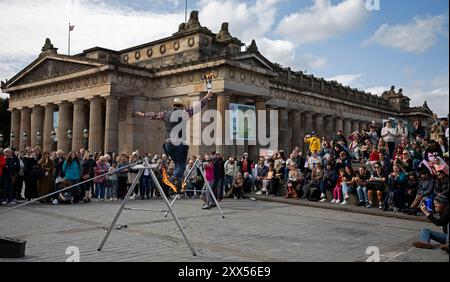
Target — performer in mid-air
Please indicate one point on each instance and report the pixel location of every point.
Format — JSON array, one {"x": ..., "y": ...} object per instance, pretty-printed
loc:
[{"x": 175, "y": 141}]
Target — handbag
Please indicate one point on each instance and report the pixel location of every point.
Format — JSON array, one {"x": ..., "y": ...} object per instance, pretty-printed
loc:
[{"x": 37, "y": 171}]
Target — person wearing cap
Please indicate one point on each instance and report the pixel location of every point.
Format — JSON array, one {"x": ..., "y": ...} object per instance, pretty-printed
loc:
[
  {"x": 176, "y": 122},
  {"x": 439, "y": 217},
  {"x": 313, "y": 141}
]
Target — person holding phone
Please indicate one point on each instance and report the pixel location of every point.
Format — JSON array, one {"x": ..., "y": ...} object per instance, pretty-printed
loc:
[{"x": 439, "y": 217}]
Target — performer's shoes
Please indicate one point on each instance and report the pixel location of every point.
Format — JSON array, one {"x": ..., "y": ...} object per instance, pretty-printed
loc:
[{"x": 177, "y": 183}]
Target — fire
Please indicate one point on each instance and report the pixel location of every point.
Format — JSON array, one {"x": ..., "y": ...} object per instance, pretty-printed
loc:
[{"x": 166, "y": 181}]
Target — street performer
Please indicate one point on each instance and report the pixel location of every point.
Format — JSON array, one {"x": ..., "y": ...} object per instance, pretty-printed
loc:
[{"x": 175, "y": 139}]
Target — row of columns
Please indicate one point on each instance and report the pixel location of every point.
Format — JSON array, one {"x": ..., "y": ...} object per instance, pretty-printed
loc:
[
  {"x": 102, "y": 125},
  {"x": 294, "y": 125}
]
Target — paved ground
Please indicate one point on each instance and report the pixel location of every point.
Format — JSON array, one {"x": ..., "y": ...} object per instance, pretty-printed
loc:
[{"x": 251, "y": 231}]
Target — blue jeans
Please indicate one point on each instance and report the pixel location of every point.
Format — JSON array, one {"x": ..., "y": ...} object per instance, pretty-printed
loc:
[
  {"x": 228, "y": 182},
  {"x": 99, "y": 190},
  {"x": 207, "y": 194},
  {"x": 111, "y": 192},
  {"x": 427, "y": 235},
  {"x": 178, "y": 154},
  {"x": 8, "y": 189},
  {"x": 362, "y": 194},
  {"x": 345, "y": 189},
  {"x": 146, "y": 186}
]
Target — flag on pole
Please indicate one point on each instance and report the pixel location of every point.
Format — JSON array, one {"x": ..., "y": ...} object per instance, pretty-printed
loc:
[{"x": 71, "y": 27}]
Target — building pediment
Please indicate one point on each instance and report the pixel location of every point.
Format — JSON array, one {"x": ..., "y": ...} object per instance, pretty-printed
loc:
[
  {"x": 255, "y": 60},
  {"x": 49, "y": 67}
]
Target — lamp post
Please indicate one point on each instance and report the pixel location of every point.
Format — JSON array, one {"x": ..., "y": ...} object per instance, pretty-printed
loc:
[
  {"x": 53, "y": 138},
  {"x": 25, "y": 138},
  {"x": 86, "y": 136},
  {"x": 12, "y": 138},
  {"x": 39, "y": 137},
  {"x": 69, "y": 139}
]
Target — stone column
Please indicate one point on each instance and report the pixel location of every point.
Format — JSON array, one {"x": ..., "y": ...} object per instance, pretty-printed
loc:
[
  {"x": 135, "y": 138},
  {"x": 363, "y": 125},
  {"x": 319, "y": 125},
  {"x": 308, "y": 126},
  {"x": 47, "y": 144},
  {"x": 338, "y": 125},
  {"x": 25, "y": 127},
  {"x": 37, "y": 124},
  {"x": 308, "y": 122},
  {"x": 96, "y": 125},
  {"x": 329, "y": 126},
  {"x": 347, "y": 127},
  {"x": 15, "y": 128},
  {"x": 283, "y": 127},
  {"x": 112, "y": 124},
  {"x": 297, "y": 128},
  {"x": 79, "y": 124},
  {"x": 355, "y": 125},
  {"x": 260, "y": 105},
  {"x": 223, "y": 104},
  {"x": 64, "y": 124}
]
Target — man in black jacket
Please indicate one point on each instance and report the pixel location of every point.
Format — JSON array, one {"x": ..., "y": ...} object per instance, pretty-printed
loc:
[
  {"x": 219, "y": 175},
  {"x": 10, "y": 170},
  {"x": 439, "y": 218}
]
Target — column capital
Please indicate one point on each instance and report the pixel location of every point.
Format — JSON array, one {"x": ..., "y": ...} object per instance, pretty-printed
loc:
[
  {"x": 111, "y": 97},
  {"x": 94, "y": 98},
  {"x": 49, "y": 105},
  {"x": 82, "y": 102}
]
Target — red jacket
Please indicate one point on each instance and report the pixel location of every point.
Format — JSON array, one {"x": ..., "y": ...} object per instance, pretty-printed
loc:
[{"x": 2, "y": 164}]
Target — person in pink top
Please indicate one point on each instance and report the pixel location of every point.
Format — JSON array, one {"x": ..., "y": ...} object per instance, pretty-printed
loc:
[
  {"x": 100, "y": 168},
  {"x": 209, "y": 175}
]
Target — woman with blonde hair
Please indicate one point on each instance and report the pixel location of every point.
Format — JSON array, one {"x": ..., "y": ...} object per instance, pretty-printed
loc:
[{"x": 100, "y": 168}]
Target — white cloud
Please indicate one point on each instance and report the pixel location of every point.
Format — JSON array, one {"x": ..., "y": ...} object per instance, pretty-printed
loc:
[
  {"x": 435, "y": 91},
  {"x": 415, "y": 37},
  {"x": 347, "y": 79},
  {"x": 376, "y": 90},
  {"x": 323, "y": 21},
  {"x": 247, "y": 21},
  {"x": 26, "y": 23},
  {"x": 310, "y": 61},
  {"x": 279, "y": 51}
]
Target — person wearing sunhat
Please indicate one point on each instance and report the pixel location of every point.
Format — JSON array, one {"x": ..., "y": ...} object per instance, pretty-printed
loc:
[
  {"x": 439, "y": 217},
  {"x": 175, "y": 141}
]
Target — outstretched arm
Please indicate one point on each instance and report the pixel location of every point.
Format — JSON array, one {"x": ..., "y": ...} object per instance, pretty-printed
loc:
[
  {"x": 197, "y": 107},
  {"x": 151, "y": 115}
]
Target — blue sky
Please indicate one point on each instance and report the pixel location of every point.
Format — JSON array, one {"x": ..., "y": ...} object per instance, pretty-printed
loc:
[{"x": 405, "y": 43}]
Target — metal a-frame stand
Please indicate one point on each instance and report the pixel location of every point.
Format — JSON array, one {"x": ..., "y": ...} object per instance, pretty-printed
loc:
[
  {"x": 141, "y": 169},
  {"x": 206, "y": 186}
]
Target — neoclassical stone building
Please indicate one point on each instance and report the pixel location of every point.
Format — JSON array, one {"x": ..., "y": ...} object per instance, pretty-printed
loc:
[{"x": 100, "y": 89}]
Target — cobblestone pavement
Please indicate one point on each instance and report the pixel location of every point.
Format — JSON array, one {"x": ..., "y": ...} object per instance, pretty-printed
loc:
[{"x": 252, "y": 231}]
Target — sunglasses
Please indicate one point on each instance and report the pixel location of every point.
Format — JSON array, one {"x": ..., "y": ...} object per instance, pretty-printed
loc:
[{"x": 377, "y": 167}]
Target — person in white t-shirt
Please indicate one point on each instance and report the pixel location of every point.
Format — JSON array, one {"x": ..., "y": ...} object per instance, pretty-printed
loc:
[{"x": 389, "y": 135}]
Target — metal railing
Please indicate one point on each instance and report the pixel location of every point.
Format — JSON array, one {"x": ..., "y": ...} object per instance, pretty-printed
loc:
[{"x": 71, "y": 187}]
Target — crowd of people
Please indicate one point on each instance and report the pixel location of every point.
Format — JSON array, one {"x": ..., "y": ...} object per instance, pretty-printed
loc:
[{"x": 390, "y": 166}]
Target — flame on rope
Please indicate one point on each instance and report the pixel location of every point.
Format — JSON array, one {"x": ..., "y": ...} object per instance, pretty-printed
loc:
[{"x": 165, "y": 179}]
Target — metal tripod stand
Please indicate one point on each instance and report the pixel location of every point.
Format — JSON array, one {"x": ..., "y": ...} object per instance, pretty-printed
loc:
[
  {"x": 206, "y": 186},
  {"x": 141, "y": 169}
]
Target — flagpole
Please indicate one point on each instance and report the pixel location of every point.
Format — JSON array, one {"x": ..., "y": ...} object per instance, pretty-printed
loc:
[
  {"x": 69, "y": 40},
  {"x": 185, "y": 11}
]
